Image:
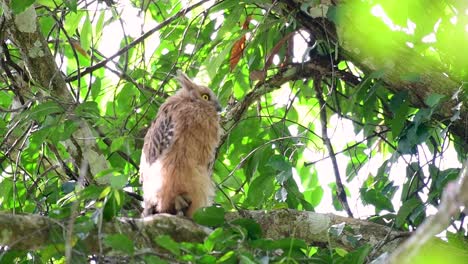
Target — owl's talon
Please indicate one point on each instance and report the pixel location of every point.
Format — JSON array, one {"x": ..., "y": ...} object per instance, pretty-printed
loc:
[
  {"x": 181, "y": 204},
  {"x": 149, "y": 210}
]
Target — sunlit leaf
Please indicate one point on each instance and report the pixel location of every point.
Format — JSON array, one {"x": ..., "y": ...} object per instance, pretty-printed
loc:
[{"x": 86, "y": 34}]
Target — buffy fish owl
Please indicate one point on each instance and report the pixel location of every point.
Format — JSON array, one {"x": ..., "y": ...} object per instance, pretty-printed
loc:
[{"x": 179, "y": 151}]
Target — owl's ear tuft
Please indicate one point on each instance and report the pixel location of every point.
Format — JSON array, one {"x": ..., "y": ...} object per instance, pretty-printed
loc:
[{"x": 185, "y": 81}]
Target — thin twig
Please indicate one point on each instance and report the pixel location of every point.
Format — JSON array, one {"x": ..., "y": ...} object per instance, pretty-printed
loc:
[{"x": 340, "y": 191}]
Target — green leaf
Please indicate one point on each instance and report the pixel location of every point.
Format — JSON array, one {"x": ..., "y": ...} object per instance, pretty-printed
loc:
[
  {"x": 6, "y": 187},
  {"x": 230, "y": 23},
  {"x": 228, "y": 257},
  {"x": 86, "y": 34},
  {"x": 99, "y": 25},
  {"x": 73, "y": 21},
  {"x": 279, "y": 163},
  {"x": 150, "y": 259},
  {"x": 253, "y": 228},
  {"x": 405, "y": 210},
  {"x": 124, "y": 101},
  {"x": 335, "y": 14},
  {"x": 113, "y": 205},
  {"x": 49, "y": 3},
  {"x": 357, "y": 256},
  {"x": 433, "y": 99},
  {"x": 260, "y": 189},
  {"x": 68, "y": 187},
  {"x": 69, "y": 127},
  {"x": 209, "y": 216},
  {"x": 246, "y": 259},
  {"x": 213, "y": 64},
  {"x": 19, "y": 6},
  {"x": 96, "y": 88},
  {"x": 120, "y": 242},
  {"x": 377, "y": 74},
  {"x": 118, "y": 181},
  {"x": 72, "y": 4},
  {"x": 168, "y": 243},
  {"x": 440, "y": 178},
  {"x": 399, "y": 106},
  {"x": 88, "y": 110},
  {"x": 358, "y": 159},
  {"x": 314, "y": 196},
  {"x": 216, "y": 236},
  {"x": 41, "y": 111},
  {"x": 208, "y": 259},
  {"x": 252, "y": 164},
  {"x": 341, "y": 251},
  {"x": 376, "y": 198},
  {"x": 117, "y": 143},
  {"x": 224, "y": 5}
]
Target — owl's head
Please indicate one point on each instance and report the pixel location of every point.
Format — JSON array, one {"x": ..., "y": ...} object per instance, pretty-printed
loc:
[{"x": 197, "y": 92}]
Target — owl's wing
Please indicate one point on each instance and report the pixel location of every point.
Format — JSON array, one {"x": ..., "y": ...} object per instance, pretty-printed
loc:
[{"x": 159, "y": 136}]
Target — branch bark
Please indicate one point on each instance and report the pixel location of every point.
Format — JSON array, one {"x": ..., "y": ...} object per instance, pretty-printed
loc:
[
  {"x": 24, "y": 31},
  {"x": 340, "y": 190},
  {"x": 30, "y": 232}
]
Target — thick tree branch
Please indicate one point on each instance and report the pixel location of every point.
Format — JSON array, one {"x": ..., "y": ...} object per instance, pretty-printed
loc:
[
  {"x": 30, "y": 232},
  {"x": 25, "y": 33}
]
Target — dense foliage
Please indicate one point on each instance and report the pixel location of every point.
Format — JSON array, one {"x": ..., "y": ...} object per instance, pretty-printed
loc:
[{"x": 309, "y": 124}]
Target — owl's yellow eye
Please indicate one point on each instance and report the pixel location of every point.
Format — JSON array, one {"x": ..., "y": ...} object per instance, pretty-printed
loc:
[{"x": 205, "y": 97}]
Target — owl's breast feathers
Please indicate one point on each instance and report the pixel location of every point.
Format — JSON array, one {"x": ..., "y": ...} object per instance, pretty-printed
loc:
[
  {"x": 178, "y": 150},
  {"x": 189, "y": 129}
]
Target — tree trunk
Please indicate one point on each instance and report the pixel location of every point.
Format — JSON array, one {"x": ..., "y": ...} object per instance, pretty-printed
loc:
[{"x": 23, "y": 30}]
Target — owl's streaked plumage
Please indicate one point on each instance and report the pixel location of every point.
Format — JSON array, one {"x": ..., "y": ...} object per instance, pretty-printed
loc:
[{"x": 179, "y": 150}]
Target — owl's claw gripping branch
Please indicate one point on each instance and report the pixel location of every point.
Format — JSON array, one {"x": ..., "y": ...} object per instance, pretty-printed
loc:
[{"x": 182, "y": 204}]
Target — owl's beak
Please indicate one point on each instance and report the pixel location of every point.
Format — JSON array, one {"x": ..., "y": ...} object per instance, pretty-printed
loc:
[{"x": 218, "y": 107}]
